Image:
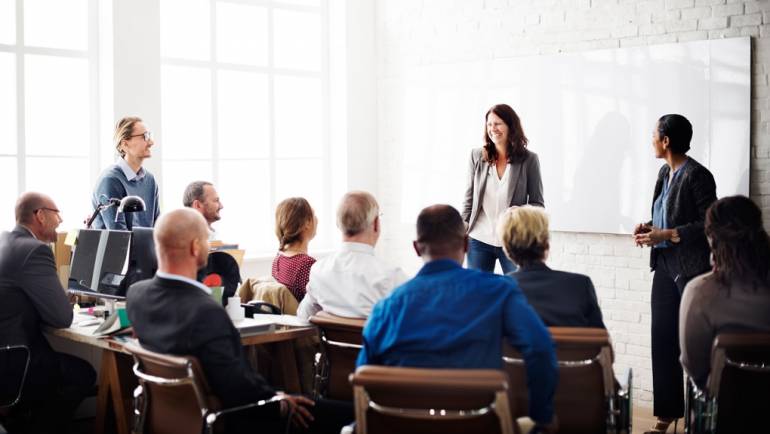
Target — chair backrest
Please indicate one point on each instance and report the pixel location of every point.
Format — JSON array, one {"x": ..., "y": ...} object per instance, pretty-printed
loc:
[
  {"x": 175, "y": 396},
  {"x": 14, "y": 365},
  {"x": 341, "y": 342},
  {"x": 586, "y": 379},
  {"x": 411, "y": 400},
  {"x": 227, "y": 267},
  {"x": 740, "y": 380},
  {"x": 268, "y": 290}
]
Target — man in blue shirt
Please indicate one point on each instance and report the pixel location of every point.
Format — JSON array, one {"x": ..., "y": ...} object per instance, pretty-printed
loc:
[{"x": 451, "y": 317}]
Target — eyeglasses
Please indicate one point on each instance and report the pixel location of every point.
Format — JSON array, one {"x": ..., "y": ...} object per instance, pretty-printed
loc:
[
  {"x": 48, "y": 209},
  {"x": 147, "y": 136}
]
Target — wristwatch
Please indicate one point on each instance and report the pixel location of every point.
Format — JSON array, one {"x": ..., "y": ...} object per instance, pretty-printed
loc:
[{"x": 675, "y": 237}]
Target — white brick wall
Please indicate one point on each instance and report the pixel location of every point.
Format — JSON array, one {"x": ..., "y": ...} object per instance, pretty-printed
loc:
[{"x": 413, "y": 32}]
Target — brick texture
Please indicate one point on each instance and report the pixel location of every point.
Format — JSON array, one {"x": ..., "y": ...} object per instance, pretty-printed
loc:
[{"x": 415, "y": 32}]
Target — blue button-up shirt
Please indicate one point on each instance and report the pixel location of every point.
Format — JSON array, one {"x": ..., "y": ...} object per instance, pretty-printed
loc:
[
  {"x": 659, "y": 214},
  {"x": 451, "y": 317}
]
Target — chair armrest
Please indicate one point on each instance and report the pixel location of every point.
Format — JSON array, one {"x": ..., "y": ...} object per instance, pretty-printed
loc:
[
  {"x": 625, "y": 381},
  {"x": 212, "y": 416}
]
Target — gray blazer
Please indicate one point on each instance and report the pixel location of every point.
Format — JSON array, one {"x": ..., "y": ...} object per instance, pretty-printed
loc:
[{"x": 526, "y": 186}]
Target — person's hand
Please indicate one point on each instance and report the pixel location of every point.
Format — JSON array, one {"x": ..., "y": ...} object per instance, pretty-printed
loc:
[
  {"x": 296, "y": 405},
  {"x": 642, "y": 228},
  {"x": 652, "y": 237}
]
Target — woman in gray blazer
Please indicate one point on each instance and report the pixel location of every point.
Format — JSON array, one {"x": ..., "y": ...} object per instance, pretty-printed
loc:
[{"x": 501, "y": 174}]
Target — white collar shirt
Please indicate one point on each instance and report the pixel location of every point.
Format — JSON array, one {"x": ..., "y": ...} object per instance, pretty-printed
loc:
[
  {"x": 349, "y": 282},
  {"x": 494, "y": 203},
  {"x": 184, "y": 279}
]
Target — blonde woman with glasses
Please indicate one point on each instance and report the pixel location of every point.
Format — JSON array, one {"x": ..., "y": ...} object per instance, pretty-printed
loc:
[{"x": 127, "y": 177}]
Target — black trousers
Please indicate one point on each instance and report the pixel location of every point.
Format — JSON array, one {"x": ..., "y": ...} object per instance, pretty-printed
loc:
[
  {"x": 329, "y": 418},
  {"x": 667, "y": 374},
  {"x": 49, "y": 399}
]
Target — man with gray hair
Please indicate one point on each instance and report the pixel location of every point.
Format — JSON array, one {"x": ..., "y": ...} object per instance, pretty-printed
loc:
[
  {"x": 350, "y": 281},
  {"x": 203, "y": 197}
]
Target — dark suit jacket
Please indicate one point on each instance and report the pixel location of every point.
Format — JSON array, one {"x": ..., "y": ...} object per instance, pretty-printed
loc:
[
  {"x": 691, "y": 193},
  {"x": 31, "y": 296},
  {"x": 174, "y": 317},
  {"x": 561, "y": 299},
  {"x": 526, "y": 186}
]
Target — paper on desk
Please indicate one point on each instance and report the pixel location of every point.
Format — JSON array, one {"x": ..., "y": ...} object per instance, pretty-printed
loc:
[{"x": 284, "y": 320}]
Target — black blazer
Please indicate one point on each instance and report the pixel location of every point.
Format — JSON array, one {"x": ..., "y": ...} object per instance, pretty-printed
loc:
[
  {"x": 32, "y": 297},
  {"x": 691, "y": 193},
  {"x": 175, "y": 317},
  {"x": 561, "y": 299}
]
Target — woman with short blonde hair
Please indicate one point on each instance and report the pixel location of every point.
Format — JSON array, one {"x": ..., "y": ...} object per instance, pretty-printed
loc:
[{"x": 561, "y": 299}]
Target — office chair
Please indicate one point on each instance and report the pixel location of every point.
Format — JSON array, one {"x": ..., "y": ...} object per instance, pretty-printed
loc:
[
  {"x": 14, "y": 366},
  {"x": 341, "y": 342},
  {"x": 226, "y": 266},
  {"x": 587, "y": 398},
  {"x": 735, "y": 399},
  {"x": 410, "y": 400},
  {"x": 173, "y": 396}
]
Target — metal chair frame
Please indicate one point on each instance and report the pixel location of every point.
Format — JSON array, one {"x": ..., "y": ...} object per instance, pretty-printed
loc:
[
  {"x": 23, "y": 375},
  {"x": 208, "y": 415}
]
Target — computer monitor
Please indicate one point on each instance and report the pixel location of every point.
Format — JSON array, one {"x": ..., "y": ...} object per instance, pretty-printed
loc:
[
  {"x": 142, "y": 259},
  {"x": 99, "y": 263}
]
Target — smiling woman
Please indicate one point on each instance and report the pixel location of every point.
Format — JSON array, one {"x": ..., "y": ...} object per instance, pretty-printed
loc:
[
  {"x": 503, "y": 173},
  {"x": 133, "y": 142}
]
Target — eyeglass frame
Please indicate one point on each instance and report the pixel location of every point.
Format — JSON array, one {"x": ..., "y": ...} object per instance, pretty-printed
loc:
[
  {"x": 58, "y": 212},
  {"x": 147, "y": 135}
]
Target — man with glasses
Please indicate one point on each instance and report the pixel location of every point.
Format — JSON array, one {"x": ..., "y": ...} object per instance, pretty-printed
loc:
[
  {"x": 32, "y": 297},
  {"x": 128, "y": 178}
]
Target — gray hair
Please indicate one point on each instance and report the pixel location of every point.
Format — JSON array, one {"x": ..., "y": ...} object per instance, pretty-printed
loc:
[
  {"x": 357, "y": 210},
  {"x": 193, "y": 192}
]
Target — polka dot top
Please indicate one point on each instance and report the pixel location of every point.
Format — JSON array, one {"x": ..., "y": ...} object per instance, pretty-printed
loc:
[{"x": 293, "y": 271}]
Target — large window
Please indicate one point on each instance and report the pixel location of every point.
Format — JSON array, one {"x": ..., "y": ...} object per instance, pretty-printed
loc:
[
  {"x": 244, "y": 103},
  {"x": 48, "y": 100}
]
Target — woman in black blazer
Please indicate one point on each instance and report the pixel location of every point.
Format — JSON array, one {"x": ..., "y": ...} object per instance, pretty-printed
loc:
[
  {"x": 683, "y": 192},
  {"x": 501, "y": 174},
  {"x": 561, "y": 299}
]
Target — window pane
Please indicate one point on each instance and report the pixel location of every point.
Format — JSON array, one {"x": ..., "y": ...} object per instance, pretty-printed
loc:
[
  {"x": 247, "y": 216},
  {"x": 185, "y": 29},
  {"x": 243, "y": 115},
  {"x": 66, "y": 181},
  {"x": 241, "y": 34},
  {"x": 305, "y": 178},
  {"x": 9, "y": 192},
  {"x": 186, "y": 112},
  {"x": 297, "y": 40},
  {"x": 56, "y": 106},
  {"x": 8, "y": 103},
  {"x": 176, "y": 176},
  {"x": 302, "y": 2},
  {"x": 7, "y": 22},
  {"x": 298, "y": 116},
  {"x": 56, "y": 23}
]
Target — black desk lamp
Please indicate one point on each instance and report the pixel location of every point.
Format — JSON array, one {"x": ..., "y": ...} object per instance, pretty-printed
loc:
[{"x": 128, "y": 204}]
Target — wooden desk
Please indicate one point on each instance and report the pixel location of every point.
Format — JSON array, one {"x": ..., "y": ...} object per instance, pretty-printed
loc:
[{"x": 117, "y": 381}]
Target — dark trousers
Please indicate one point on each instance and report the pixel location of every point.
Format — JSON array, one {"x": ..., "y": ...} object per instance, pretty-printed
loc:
[
  {"x": 49, "y": 399},
  {"x": 329, "y": 416},
  {"x": 667, "y": 375},
  {"x": 482, "y": 256}
]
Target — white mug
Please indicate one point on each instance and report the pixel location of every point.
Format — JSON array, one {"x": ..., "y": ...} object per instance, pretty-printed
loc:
[{"x": 234, "y": 309}]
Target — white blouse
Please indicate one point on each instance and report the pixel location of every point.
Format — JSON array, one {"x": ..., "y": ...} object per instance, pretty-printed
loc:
[{"x": 494, "y": 203}]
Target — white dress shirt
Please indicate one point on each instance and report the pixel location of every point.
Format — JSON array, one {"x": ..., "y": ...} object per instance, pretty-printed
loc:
[
  {"x": 494, "y": 203},
  {"x": 349, "y": 282},
  {"x": 184, "y": 279}
]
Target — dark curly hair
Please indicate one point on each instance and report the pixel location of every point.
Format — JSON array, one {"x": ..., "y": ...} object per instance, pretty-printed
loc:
[
  {"x": 739, "y": 243},
  {"x": 517, "y": 141}
]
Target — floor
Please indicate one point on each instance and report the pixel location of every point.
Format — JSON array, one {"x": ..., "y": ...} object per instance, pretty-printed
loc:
[{"x": 644, "y": 420}]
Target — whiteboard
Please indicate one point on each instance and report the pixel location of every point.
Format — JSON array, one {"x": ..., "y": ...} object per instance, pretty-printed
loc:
[{"x": 589, "y": 116}]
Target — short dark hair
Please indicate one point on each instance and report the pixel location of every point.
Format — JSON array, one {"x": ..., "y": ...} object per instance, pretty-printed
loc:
[
  {"x": 517, "y": 141},
  {"x": 440, "y": 230},
  {"x": 739, "y": 243},
  {"x": 678, "y": 130},
  {"x": 193, "y": 192}
]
